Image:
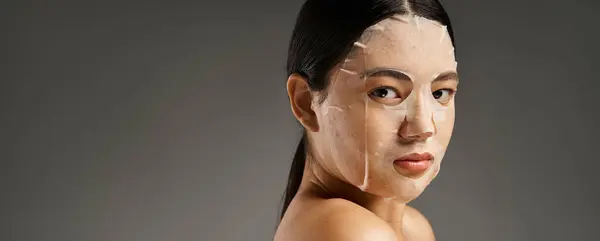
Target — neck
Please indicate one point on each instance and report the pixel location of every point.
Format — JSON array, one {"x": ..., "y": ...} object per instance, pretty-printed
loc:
[{"x": 317, "y": 181}]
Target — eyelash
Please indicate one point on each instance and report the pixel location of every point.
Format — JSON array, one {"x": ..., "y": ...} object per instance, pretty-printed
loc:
[
  {"x": 380, "y": 87},
  {"x": 451, "y": 91},
  {"x": 384, "y": 87}
]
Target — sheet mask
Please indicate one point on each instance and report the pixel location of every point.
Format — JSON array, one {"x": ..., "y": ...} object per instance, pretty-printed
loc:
[{"x": 370, "y": 135}]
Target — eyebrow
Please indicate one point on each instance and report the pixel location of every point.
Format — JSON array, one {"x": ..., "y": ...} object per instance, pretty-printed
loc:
[
  {"x": 400, "y": 75},
  {"x": 448, "y": 75},
  {"x": 388, "y": 72}
]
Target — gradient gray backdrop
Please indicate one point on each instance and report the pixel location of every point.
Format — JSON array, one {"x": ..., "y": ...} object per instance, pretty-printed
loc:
[{"x": 144, "y": 121}]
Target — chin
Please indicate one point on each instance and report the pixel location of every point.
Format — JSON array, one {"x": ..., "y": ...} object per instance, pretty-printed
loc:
[
  {"x": 405, "y": 196},
  {"x": 402, "y": 188}
]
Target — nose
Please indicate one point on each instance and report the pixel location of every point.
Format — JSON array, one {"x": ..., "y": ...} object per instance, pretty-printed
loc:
[
  {"x": 418, "y": 125},
  {"x": 416, "y": 130}
]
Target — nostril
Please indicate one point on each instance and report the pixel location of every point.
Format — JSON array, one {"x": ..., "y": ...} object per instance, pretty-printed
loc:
[{"x": 420, "y": 136}]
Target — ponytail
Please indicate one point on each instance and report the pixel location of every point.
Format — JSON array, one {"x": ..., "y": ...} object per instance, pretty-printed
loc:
[{"x": 296, "y": 173}]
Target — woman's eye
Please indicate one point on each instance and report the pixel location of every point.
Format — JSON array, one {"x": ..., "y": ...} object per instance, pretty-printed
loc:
[
  {"x": 443, "y": 95},
  {"x": 385, "y": 93}
]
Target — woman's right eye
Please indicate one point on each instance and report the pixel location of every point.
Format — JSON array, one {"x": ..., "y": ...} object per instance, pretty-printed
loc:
[{"x": 384, "y": 93}]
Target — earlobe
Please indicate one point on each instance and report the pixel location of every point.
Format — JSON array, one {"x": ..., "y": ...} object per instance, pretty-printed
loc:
[{"x": 301, "y": 101}]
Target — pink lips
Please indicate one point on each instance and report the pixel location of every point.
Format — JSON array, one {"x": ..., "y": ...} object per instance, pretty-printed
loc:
[{"x": 414, "y": 163}]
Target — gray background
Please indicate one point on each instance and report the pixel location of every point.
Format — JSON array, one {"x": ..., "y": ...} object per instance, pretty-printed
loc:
[{"x": 152, "y": 121}]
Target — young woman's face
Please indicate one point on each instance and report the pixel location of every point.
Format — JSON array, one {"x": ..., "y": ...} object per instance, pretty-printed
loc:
[{"x": 389, "y": 111}]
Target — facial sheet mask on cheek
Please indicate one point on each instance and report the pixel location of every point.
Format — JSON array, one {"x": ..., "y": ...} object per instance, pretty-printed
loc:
[
  {"x": 369, "y": 135},
  {"x": 343, "y": 112}
]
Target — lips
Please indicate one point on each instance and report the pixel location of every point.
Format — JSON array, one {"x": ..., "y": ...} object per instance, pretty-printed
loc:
[
  {"x": 414, "y": 163},
  {"x": 416, "y": 157}
]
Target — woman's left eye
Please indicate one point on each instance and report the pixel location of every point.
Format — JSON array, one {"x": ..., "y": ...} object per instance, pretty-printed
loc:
[{"x": 443, "y": 95}]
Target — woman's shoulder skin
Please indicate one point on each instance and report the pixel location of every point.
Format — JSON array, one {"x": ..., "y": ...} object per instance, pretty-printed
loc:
[
  {"x": 332, "y": 220},
  {"x": 338, "y": 219}
]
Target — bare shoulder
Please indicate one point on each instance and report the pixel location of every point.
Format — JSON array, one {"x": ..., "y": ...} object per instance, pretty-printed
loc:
[
  {"x": 337, "y": 219},
  {"x": 416, "y": 226}
]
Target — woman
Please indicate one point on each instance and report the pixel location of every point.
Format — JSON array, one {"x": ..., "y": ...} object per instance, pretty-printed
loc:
[{"x": 372, "y": 83}]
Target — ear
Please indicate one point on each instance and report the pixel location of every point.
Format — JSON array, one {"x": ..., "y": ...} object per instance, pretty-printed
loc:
[{"x": 301, "y": 102}]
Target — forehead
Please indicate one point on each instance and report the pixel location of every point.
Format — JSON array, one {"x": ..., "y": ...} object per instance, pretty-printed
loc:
[{"x": 415, "y": 45}]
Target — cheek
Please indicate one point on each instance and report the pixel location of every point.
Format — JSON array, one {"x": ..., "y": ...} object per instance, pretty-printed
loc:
[
  {"x": 342, "y": 131},
  {"x": 382, "y": 129},
  {"x": 368, "y": 129},
  {"x": 445, "y": 128},
  {"x": 343, "y": 120},
  {"x": 342, "y": 143}
]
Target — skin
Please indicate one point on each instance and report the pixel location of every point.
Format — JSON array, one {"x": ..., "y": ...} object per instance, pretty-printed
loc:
[{"x": 352, "y": 189}]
